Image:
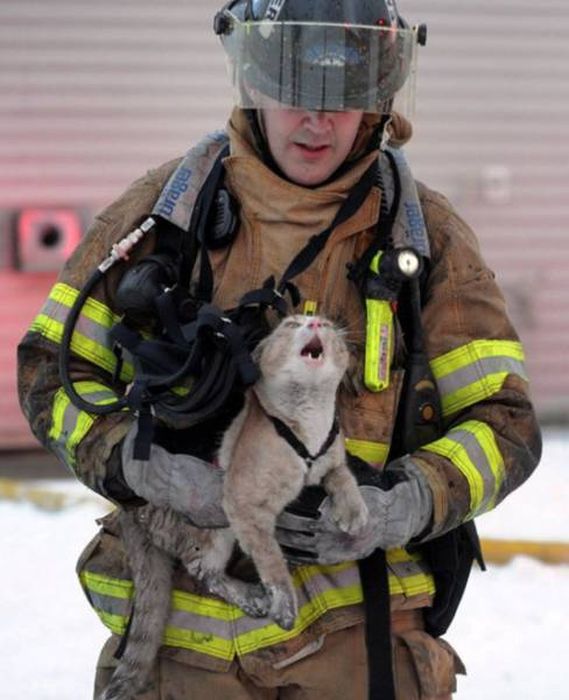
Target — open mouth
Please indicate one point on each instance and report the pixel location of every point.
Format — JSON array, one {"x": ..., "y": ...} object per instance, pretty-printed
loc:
[
  {"x": 314, "y": 350},
  {"x": 313, "y": 148},
  {"x": 309, "y": 151}
]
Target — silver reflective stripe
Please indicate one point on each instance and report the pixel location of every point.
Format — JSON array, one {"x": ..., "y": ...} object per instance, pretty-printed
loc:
[
  {"x": 478, "y": 458},
  {"x": 484, "y": 366},
  {"x": 472, "y": 448},
  {"x": 110, "y": 604},
  {"x": 202, "y": 624},
  {"x": 69, "y": 425},
  {"x": 86, "y": 326},
  {"x": 91, "y": 339},
  {"x": 312, "y": 586}
]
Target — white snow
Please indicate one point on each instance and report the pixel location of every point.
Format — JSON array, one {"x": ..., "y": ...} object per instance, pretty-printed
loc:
[{"x": 510, "y": 630}]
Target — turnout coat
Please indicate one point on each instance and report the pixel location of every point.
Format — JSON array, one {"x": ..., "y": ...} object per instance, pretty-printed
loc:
[{"x": 491, "y": 442}]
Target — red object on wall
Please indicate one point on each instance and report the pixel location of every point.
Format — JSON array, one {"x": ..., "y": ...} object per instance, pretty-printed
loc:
[{"x": 45, "y": 238}]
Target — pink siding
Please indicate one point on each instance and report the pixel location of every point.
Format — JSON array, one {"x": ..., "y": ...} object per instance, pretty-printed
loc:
[{"x": 21, "y": 297}]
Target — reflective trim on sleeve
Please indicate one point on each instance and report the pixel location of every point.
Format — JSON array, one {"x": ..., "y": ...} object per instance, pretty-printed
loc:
[
  {"x": 472, "y": 448},
  {"x": 91, "y": 336},
  {"x": 476, "y": 371},
  {"x": 375, "y": 453},
  {"x": 69, "y": 425}
]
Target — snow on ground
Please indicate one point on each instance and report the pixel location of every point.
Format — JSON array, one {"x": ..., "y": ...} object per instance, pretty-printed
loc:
[{"x": 510, "y": 630}]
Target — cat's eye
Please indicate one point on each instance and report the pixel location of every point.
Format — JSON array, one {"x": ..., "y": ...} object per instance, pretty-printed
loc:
[{"x": 292, "y": 324}]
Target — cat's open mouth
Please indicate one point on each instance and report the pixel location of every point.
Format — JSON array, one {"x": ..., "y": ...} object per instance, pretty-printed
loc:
[{"x": 314, "y": 350}]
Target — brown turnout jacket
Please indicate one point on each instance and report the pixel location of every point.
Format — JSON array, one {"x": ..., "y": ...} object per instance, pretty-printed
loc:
[{"x": 492, "y": 443}]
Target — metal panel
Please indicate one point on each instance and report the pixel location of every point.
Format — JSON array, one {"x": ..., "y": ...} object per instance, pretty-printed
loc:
[
  {"x": 492, "y": 133},
  {"x": 93, "y": 94}
]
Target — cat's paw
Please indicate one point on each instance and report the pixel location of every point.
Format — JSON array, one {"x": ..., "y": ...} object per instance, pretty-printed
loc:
[
  {"x": 256, "y": 603},
  {"x": 284, "y": 606},
  {"x": 351, "y": 518}
]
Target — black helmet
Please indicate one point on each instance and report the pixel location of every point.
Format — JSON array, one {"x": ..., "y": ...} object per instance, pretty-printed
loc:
[{"x": 331, "y": 55}]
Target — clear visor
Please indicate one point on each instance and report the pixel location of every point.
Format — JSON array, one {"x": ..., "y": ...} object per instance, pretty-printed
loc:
[{"x": 313, "y": 66}]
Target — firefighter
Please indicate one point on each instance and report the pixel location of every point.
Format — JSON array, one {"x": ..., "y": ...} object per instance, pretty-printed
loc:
[{"x": 314, "y": 88}]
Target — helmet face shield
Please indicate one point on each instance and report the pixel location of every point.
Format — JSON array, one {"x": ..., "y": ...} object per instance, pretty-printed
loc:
[{"x": 317, "y": 66}]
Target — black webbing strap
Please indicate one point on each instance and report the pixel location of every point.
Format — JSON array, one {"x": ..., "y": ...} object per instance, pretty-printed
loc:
[
  {"x": 299, "y": 447},
  {"x": 383, "y": 238},
  {"x": 373, "y": 569},
  {"x": 317, "y": 242},
  {"x": 199, "y": 229},
  {"x": 375, "y": 586},
  {"x": 120, "y": 650}
]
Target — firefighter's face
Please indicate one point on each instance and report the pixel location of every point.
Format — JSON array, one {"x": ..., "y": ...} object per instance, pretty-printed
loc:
[{"x": 310, "y": 146}]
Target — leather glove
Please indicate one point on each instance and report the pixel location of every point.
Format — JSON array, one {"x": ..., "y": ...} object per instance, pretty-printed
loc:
[
  {"x": 184, "y": 483},
  {"x": 400, "y": 505}
]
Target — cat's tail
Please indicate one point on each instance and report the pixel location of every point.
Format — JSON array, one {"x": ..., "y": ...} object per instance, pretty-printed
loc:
[{"x": 152, "y": 576}]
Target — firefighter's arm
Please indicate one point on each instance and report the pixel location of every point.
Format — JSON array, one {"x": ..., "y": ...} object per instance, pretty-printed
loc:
[
  {"x": 87, "y": 444},
  {"x": 492, "y": 441}
]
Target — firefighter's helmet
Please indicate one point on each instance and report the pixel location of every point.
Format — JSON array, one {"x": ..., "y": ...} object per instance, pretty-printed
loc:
[{"x": 325, "y": 55}]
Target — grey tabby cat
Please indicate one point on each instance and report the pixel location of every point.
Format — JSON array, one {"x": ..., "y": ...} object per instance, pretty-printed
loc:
[{"x": 293, "y": 403}]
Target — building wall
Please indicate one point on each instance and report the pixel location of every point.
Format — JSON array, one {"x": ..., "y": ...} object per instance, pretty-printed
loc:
[
  {"x": 492, "y": 132},
  {"x": 94, "y": 94}
]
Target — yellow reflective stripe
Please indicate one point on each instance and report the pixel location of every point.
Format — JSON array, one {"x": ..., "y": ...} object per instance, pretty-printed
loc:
[
  {"x": 105, "y": 585},
  {"x": 310, "y": 307},
  {"x": 487, "y": 440},
  {"x": 70, "y": 425},
  {"x": 268, "y": 633},
  {"x": 206, "y": 607},
  {"x": 307, "y": 614},
  {"x": 399, "y": 555},
  {"x": 82, "y": 346},
  {"x": 173, "y": 636},
  {"x": 203, "y": 642},
  {"x": 477, "y": 349},
  {"x": 303, "y": 574},
  {"x": 60, "y": 404},
  {"x": 456, "y": 453},
  {"x": 373, "y": 452},
  {"x": 472, "y": 448},
  {"x": 115, "y": 623},
  {"x": 410, "y": 586},
  {"x": 476, "y": 371},
  {"x": 95, "y": 320},
  {"x": 415, "y": 580},
  {"x": 473, "y": 393},
  {"x": 94, "y": 309}
]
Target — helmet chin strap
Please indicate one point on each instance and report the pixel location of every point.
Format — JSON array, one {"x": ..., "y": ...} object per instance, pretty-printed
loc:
[
  {"x": 258, "y": 131},
  {"x": 376, "y": 141}
]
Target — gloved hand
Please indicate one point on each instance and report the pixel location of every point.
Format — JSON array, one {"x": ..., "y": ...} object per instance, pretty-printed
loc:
[
  {"x": 400, "y": 505},
  {"x": 184, "y": 483}
]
